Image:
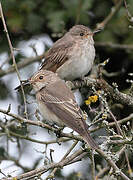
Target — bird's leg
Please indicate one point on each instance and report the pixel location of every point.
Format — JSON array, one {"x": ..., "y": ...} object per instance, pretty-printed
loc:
[
  {"x": 82, "y": 78},
  {"x": 83, "y": 145},
  {"x": 69, "y": 84},
  {"x": 58, "y": 132},
  {"x": 53, "y": 125}
]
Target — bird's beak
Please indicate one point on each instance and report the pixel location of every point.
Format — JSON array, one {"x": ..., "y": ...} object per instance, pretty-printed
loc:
[
  {"x": 96, "y": 31},
  {"x": 24, "y": 83}
]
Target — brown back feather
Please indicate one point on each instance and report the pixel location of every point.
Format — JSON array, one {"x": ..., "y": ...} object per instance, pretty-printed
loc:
[{"x": 58, "y": 54}]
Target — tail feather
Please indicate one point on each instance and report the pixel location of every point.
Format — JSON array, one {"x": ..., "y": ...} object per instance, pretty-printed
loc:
[{"x": 90, "y": 141}]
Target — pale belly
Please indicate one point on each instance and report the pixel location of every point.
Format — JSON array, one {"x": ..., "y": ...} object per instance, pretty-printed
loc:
[
  {"x": 49, "y": 116},
  {"x": 78, "y": 66}
]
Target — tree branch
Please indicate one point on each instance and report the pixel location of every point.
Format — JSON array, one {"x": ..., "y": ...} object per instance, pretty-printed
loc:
[
  {"x": 110, "y": 15},
  {"x": 111, "y": 92},
  {"x": 114, "y": 46},
  {"x": 21, "y": 64},
  {"x": 13, "y": 58}
]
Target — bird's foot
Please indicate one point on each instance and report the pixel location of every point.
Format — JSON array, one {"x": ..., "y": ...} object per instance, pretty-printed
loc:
[
  {"x": 69, "y": 84},
  {"x": 58, "y": 132}
]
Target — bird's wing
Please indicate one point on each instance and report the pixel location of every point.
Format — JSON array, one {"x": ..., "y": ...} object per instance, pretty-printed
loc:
[
  {"x": 61, "y": 101},
  {"x": 57, "y": 55}
]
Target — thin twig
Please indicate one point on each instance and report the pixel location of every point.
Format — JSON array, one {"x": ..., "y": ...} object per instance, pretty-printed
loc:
[
  {"x": 113, "y": 165},
  {"x": 13, "y": 57},
  {"x": 130, "y": 18},
  {"x": 114, "y": 45},
  {"x": 121, "y": 142},
  {"x": 102, "y": 172},
  {"x": 103, "y": 100},
  {"x": 80, "y": 2},
  {"x": 128, "y": 165},
  {"x": 41, "y": 124},
  {"x": 21, "y": 64},
  {"x": 116, "y": 123},
  {"x": 52, "y": 174},
  {"x": 92, "y": 165},
  {"x": 128, "y": 118},
  {"x": 35, "y": 140},
  {"x": 110, "y": 15}
]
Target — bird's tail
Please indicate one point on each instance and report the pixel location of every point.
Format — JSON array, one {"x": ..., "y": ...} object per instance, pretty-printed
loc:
[{"x": 90, "y": 141}]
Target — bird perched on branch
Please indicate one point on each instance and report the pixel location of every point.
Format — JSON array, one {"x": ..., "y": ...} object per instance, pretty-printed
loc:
[
  {"x": 71, "y": 56},
  {"x": 57, "y": 104}
]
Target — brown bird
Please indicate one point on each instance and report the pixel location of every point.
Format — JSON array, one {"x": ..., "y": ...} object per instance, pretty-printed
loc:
[
  {"x": 57, "y": 104},
  {"x": 71, "y": 56}
]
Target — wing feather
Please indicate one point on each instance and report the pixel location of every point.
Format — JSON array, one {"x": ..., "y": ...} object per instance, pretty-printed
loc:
[
  {"x": 57, "y": 55},
  {"x": 63, "y": 104}
]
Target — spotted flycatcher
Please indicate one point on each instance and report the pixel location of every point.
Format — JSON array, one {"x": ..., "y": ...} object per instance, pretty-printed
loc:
[
  {"x": 57, "y": 104},
  {"x": 71, "y": 56}
]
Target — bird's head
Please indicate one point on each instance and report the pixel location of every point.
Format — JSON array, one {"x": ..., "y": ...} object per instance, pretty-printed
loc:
[
  {"x": 41, "y": 79},
  {"x": 83, "y": 33}
]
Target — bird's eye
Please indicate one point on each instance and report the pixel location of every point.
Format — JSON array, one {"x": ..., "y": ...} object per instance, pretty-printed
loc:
[
  {"x": 40, "y": 77},
  {"x": 81, "y": 34}
]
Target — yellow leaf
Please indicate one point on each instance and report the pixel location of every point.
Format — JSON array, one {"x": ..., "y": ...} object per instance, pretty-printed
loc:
[
  {"x": 79, "y": 174},
  {"x": 88, "y": 102},
  {"x": 91, "y": 99},
  {"x": 104, "y": 116},
  {"x": 14, "y": 178}
]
